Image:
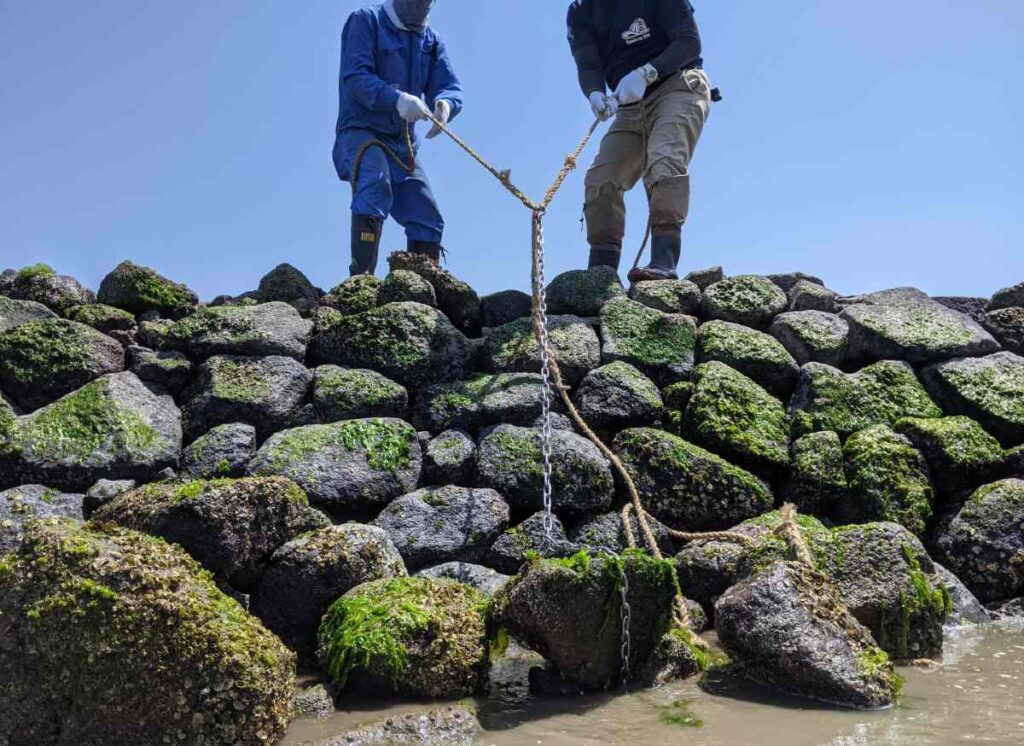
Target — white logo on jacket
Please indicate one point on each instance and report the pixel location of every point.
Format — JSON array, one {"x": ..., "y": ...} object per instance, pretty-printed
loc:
[{"x": 637, "y": 32}]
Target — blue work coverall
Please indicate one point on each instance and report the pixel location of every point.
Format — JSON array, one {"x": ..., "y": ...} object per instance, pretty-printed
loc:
[{"x": 378, "y": 60}]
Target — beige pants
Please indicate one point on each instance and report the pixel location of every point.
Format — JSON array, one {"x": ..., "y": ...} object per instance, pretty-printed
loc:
[{"x": 674, "y": 116}]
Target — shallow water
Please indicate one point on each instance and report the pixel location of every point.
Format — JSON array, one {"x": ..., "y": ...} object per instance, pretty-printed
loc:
[{"x": 974, "y": 695}]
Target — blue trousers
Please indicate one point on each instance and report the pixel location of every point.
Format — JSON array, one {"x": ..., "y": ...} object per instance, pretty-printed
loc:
[{"x": 386, "y": 189}]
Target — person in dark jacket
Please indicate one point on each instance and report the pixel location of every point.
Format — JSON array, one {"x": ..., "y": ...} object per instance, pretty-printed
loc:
[
  {"x": 391, "y": 59},
  {"x": 639, "y": 61}
]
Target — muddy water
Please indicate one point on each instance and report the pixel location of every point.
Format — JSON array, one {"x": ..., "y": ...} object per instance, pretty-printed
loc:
[{"x": 975, "y": 695}]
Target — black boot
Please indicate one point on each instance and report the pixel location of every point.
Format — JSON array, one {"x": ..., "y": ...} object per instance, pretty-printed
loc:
[
  {"x": 433, "y": 251},
  {"x": 665, "y": 252},
  {"x": 605, "y": 256},
  {"x": 366, "y": 231}
]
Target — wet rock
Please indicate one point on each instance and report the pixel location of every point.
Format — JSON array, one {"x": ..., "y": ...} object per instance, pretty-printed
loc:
[
  {"x": 789, "y": 280},
  {"x": 314, "y": 702},
  {"x": 484, "y": 579},
  {"x": 412, "y": 636},
  {"x": 670, "y": 296},
  {"x": 510, "y": 461},
  {"x": 754, "y": 354},
  {"x": 357, "y": 294},
  {"x": 966, "y": 608},
  {"x": 1012, "y": 611},
  {"x": 513, "y": 348},
  {"x": 265, "y": 392},
  {"x": 250, "y": 331},
  {"x": 286, "y": 284},
  {"x": 685, "y": 486},
  {"x": 17, "y": 312},
  {"x": 817, "y": 483},
  {"x": 140, "y": 289},
  {"x": 450, "y": 458},
  {"x": 224, "y": 451},
  {"x": 985, "y": 389},
  {"x": 309, "y": 573},
  {"x": 347, "y": 394},
  {"x": 707, "y": 569},
  {"x": 792, "y": 632},
  {"x": 481, "y": 401},
  {"x": 105, "y": 491},
  {"x": 410, "y": 343},
  {"x": 958, "y": 450},
  {"x": 510, "y": 551},
  {"x": 403, "y": 286},
  {"x": 606, "y": 531},
  {"x": 1011, "y": 297},
  {"x": 21, "y": 504},
  {"x": 809, "y": 296},
  {"x": 39, "y": 283},
  {"x": 111, "y": 428},
  {"x": 41, "y": 361},
  {"x": 450, "y": 727},
  {"x": 973, "y": 307},
  {"x": 104, "y": 319},
  {"x": 749, "y": 300},
  {"x": 733, "y": 416},
  {"x": 115, "y": 588},
  {"x": 501, "y": 308},
  {"x": 444, "y": 524},
  {"x": 582, "y": 292},
  {"x": 172, "y": 370},
  {"x": 153, "y": 333},
  {"x": 882, "y": 393},
  {"x": 704, "y": 278},
  {"x": 983, "y": 542},
  {"x": 617, "y": 396},
  {"x": 1007, "y": 326},
  {"x": 457, "y": 300},
  {"x": 356, "y": 465},
  {"x": 812, "y": 336},
  {"x": 659, "y": 345}
]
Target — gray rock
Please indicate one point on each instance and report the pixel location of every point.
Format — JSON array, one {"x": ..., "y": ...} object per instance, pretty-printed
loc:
[
  {"x": 973, "y": 307},
  {"x": 450, "y": 727},
  {"x": 617, "y": 396},
  {"x": 501, "y": 308},
  {"x": 509, "y": 552},
  {"x": 747, "y": 299},
  {"x": 17, "y": 312},
  {"x": 41, "y": 361},
  {"x": 250, "y": 331},
  {"x": 224, "y": 451},
  {"x": 347, "y": 394},
  {"x": 582, "y": 292},
  {"x": 605, "y": 531},
  {"x": 1011, "y": 611},
  {"x": 357, "y": 294},
  {"x": 891, "y": 297},
  {"x": 403, "y": 286},
  {"x": 967, "y": 609},
  {"x": 444, "y": 524},
  {"x": 41, "y": 284},
  {"x": 959, "y": 452},
  {"x": 809, "y": 296},
  {"x": 457, "y": 300},
  {"x": 172, "y": 370},
  {"x": 660, "y": 345},
  {"x": 153, "y": 333},
  {"x": 817, "y": 483},
  {"x": 20, "y": 504},
  {"x": 670, "y": 296},
  {"x": 102, "y": 318},
  {"x": 754, "y": 354},
  {"x": 1007, "y": 326},
  {"x": 105, "y": 491},
  {"x": 484, "y": 579},
  {"x": 314, "y": 702},
  {"x": 265, "y": 392},
  {"x": 707, "y": 569},
  {"x": 512, "y": 348},
  {"x": 352, "y": 466},
  {"x": 812, "y": 336},
  {"x": 1010, "y": 297},
  {"x": 789, "y": 280},
  {"x": 704, "y": 278},
  {"x": 286, "y": 284},
  {"x": 510, "y": 462},
  {"x": 481, "y": 401},
  {"x": 309, "y": 573},
  {"x": 450, "y": 458},
  {"x": 791, "y": 631},
  {"x": 140, "y": 289}
]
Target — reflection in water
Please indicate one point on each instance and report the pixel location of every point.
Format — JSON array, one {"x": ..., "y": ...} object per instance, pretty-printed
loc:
[{"x": 976, "y": 695}]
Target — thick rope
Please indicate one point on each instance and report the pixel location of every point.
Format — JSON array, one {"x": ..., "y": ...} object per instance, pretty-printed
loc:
[{"x": 790, "y": 532}]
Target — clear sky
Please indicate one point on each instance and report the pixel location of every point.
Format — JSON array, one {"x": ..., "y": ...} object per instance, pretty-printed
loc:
[{"x": 873, "y": 143}]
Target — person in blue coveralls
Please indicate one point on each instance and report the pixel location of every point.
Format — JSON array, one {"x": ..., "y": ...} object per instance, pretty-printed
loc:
[{"x": 395, "y": 71}]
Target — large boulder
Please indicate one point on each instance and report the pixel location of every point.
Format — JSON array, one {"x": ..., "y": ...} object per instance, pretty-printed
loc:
[
  {"x": 140, "y": 289},
  {"x": 505, "y": 306},
  {"x": 959, "y": 451},
  {"x": 809, "y": 296},
  {"x": 169, "y": 369},
  {"x": 883, "y": 393},
  {"x": 539, "y": 534},
  {"x": 687, "y": 487},
  {"x": 1007, "y": 326},
  {"x": 1011, "y": 297},
  {"x": 39, "y": 283},
  {"x": 987, "y": 389},
  {"x": 450, "y": 458},
  {"x": 112, "y": 428},
  {"x": 480, "y": 401},
  {"x": 113, "y": 637},
  {"x": 660, "y": 345},
  {"x": 250, "y": 331},
  {"x": 484, "y": 579},
  {"x": 582, "y": 292},
  {"x": 791, "y": 631},
  {"x": 403, "y": 286},
  {"x": 224, "y": 451},
  {"x": 617, "y": 396},
  {"x": 747, "y": 299},
  {"x": 309, "y": 573},
  {"x": 351, "y": 394},
  {"x": 817, "y": 482},
  {"x": 17, "y": 312},
  {"x": 353, "y": 466},
  {"x": 357, "y": 294},
  {"x": 983, "y": 542},
  {"x": 510, "y": 461},
  {"x": 231, "y": 526},
  {"x": 670, "y": 296},
  {"x": 20, "y": 504},
  {"x": 412, "y": 636},
  {"x": 812, "y": 336},
  {"x": 457, "y": 300},
  {"x": 753, "y": 353},
  {"x": 602, "y": 532},
  {"x": 410, "y": 343},
  {"x": 41, "y": 361},
  {"x": 444, "y": 524},
  {"x": 106, "y": 319},
  {"x": 513, "y": 347},
  {"x": 288, "y": 285},
  {"x": 265, "y": 392}
]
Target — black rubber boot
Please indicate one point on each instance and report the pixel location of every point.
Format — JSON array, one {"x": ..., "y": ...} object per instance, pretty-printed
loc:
[
  {"x": 605, "y": 256},
  {"x": 433, "y": 251},
  {"x": 665, "y": 252},
  {"x": 366, "y": 230}
]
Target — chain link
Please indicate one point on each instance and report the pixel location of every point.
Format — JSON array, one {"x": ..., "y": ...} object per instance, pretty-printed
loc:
[{"x": 626, "y": 615}]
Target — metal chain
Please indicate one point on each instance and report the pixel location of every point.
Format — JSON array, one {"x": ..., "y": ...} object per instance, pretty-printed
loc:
[{"x": 626, "y": 615}]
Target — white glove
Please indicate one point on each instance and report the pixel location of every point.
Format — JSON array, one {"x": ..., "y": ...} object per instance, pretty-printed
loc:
[
  {"x": 633, "y": 87},
  {"x": 411, "y": 108},
  {"x": 442, "y": 113},
  {"x": 605, "y": 107}
]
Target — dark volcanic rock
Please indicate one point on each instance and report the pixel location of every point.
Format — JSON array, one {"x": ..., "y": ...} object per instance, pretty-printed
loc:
[
  {"x": 20, "y": 504},
  {"x": 481, "y": 401},
  {"x": 617, "y": 396},
  {"x": 753, "y": 353},
  {"x": 103, "y": 492},
  {"x": 347, "y": 394},
  {"x": 747, "y": 299},
  {"x": 704, "y": 278},
  {"x": 582, "y": 292},
  {"x": 484, "y": 579},
  {"x": 1007, "y": 326},
  {"x": 958, "y": 450},
  {"x": 224, "y": 451},
  {"x": 817, "y": 483},
  {"x": 809, "y": 296},
  {"x": 450, "y": 727},
  {"x": 973, "y": 307},
  {"x": 789, "y": 280},
  {"x": 660, "y": 345},
  {"x": 513, "y": 348},
  {"x": 17, "y": 312},
  {"x": 105, "y": 319},
  {"x": 967, "y": 609},
  {"x": 450, "y": 458},
  {"x": 172, "y": 370},
  {"x": 288, "y": 285},
  {"x": 670, "y": 296},
  {"x": 41, "y": 284},
  {"x": 501, "y": 308},
  {"x": 510, "y": 550},
  {"x": 253, "y": 331},
  {"x": 605, "y": 531},
  {"x": 140, "y": 289},
  {"x": 457, "y": 300},
  {"x": 403, "y": 286},
  {"x": 1011, "y": 297},
  {"x": 812, "y": 336},
  {"x": 357, "y": 294}
]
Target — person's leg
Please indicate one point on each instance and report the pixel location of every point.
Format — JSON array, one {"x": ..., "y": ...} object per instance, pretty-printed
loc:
[
  {"x": 372, "y": 201},
  {"x": 616, "y": 169},
  {"x": 415, "y": 208}
]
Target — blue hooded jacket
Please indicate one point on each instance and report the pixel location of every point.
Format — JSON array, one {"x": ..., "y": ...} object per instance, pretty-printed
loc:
[{"x": 378, "y": 60}]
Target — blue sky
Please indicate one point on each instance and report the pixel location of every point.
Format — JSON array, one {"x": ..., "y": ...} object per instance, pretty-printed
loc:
[{"x": 873, "y": 143}]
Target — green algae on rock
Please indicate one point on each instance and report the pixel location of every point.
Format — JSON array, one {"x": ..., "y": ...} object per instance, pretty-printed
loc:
[
  {"x": 357, "y": 294},
  {"x": 817, "y": 482},
  {"x": 754, "y": 354},
  {"x": 659, "y": 345},
  {"x": 747, "y": 299},
  {"x": 616, "y": 396},
  {"x": 102, "y": 318},
  {"x": 139, "y": 289},
  {"x": 513, "y": 347},
  {"x": 670, "y": 296},
  {"x": 457, "y": 300},
  {"x": 263, "y": 329},
  {"x": 480, "y": 401},
  {"x": 582, "y": 292},
  {"x": 959, "y": 450},
  {"x": 401, "y": 286},
  {"x": 351, "y": 394}
]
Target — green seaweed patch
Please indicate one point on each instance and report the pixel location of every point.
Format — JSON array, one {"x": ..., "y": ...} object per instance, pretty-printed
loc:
[
  {"x": 240, "y": 380},
  {"x": 388, "y": 445},
  {"x": 647, "y": 336},
  {"x": 45, "y": 350},
  {"x": 679, "y": 713},
  {"x": 36, "y": 270},
  {"x": 150, "y": 290}
]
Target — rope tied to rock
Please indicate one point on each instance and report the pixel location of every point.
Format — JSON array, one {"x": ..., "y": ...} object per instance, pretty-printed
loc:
[{"x": 790, "y": 532}]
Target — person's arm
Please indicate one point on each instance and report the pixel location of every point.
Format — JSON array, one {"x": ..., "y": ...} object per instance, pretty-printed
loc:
[
  {"x": 444, "y": 84},
  {"x": 587, "y": 55},
  {"x": 676, "y": 18},
  {"x": 358, "y": 66}
]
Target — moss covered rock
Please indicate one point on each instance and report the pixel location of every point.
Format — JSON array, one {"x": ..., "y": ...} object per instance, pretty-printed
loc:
[
  {"x": 410, "y": 343},
  {"x": 989, "y": 390},
  {"x": 582, "y": 292},
  {"x": 687, "y": 487},
  {"x": 670, "y": 296},
  {"x": 17, "y": 312},
  {"x": 403, "y": 286},
  {"x": 114, "y": 637},
  {"x": 21, "y": 504},
  {"x": 352, "y": 394},
  {"x": 617, "y": 396},
  {"x": 1011, "y": 297},
  {"x": 139, "y": 289},
  {"x": 42, "y": 360},
  {"x": 883, "y": 393},
  {"x": 480, "y": 401},
  {"x": 1007, "y": 326},
  {"x": 817, "y": 483},
  {"x": 413, "y": 636},
  {"x": 537, "y": 535},
  {"x": 457, "y": 300},
  {"x": 40, "y": 283},
  {"x": 103, "y": 318},
  {"x": 513, "y": 348},
  {"x": 357, "y": 294},
  {"x": 224, "y": 451},
  {"x": 356, "y": 465},
  {"x": 169, "y": 369},
  {"x": 958, "y": 450},
  {"x": 450, "y": 458},
  {"x": 812, "y": 336},
  {"x": 250, "y": 331},
  {"x": 660, "y": 345},
  {"x": 810, "y": 296},
  {"x": 604, "y": 531},
  {"x": 747, "y": 299},
  {"x": 733, "y": 416},
  {"x": 753, "y": 353}
]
